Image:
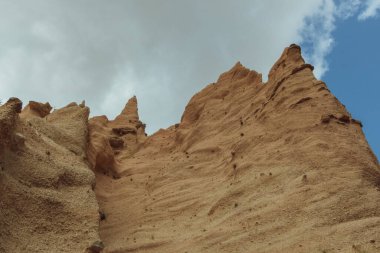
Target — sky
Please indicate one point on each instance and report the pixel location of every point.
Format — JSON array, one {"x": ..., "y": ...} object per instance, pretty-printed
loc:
[
  {"x": 164, "y": 51},
  {"x": 353, "y": 75}
]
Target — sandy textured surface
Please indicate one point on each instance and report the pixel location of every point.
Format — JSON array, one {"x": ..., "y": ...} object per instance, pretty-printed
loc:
[
  {"x": 253, "y": 167},
  {"x": 46, "y": 199}
]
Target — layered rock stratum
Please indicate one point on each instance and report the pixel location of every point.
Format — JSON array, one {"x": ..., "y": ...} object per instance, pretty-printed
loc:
[{"x": 279, "y": 166}]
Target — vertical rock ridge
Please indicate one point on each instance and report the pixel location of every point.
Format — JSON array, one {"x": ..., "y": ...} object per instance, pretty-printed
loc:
[
  {"x": 244, "y": 154},
  {"x": 249, "y": 162},
  {"x": 112, "y": 139},
  {"x": 47, "y": 203},
  {"x": 130, "y": 112}
]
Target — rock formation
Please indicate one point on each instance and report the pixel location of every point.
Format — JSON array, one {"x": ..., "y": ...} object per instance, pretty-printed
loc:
[
  {"x": 108, "y": 138},
  {"x": 46, "y": 199},
  {"x": 279, "y": 166},
  {"x": 36, "y": 109}
]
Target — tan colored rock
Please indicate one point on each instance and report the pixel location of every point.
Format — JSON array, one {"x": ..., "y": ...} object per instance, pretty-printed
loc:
[
  {"x": 124, "y": 130},
  {"x": 116, "y": 142},
  {"x": 36, "y": 109},
  {"x": 257, "y": 167},
  {"x": 15, "y": 104},
  {"x": 129, "y": 113},
  {"x": 46, "y": 200},
  {"x": 231, "y": 177},
  {"x": 99, "y": 153},
  {"x": 96, "y": 247},
  {"x": 112, "y": 140},
  {"x": 8, "y": 120}
]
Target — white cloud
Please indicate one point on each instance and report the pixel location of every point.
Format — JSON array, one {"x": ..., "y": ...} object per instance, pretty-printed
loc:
[
  {"x": 319, "y": 27},
  {"x": 371, "y": 9},
  {"x": 162, "y": 51},
  {"x": 317, "y": 31},
  {"x": 347, "y": 8}
]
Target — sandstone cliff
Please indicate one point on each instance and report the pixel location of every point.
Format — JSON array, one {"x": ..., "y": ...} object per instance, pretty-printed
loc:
[
  {"x": 251, "y": 167},
  {"x": 279, "y": 166},
  {"x": 46, "y": 199}
]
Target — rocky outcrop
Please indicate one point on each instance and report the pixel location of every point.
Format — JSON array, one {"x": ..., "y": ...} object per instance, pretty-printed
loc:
[
  {"x": 110, "y": 140},
  {"x": 258, "y": 167},
  {"x": 47, "y": 203},
  {"x": 36, "y": 109},
  {"x": 251, "y": 167},
  {"x": 8, "y": 121}
]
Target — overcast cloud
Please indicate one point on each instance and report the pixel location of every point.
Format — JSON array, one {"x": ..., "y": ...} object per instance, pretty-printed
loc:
[{"x": 163, "y": 51}]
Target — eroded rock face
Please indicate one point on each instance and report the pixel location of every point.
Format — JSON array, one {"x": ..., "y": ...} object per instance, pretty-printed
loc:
[
  {"x": 251, "y": 167},
  {"x": 111, "y": 140},
  {"x": 8, "y": 120},
  {"x": 47, "y": 203},
  {"x": 36, "y": 109},
  {"x": 116, "y": 142}
]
